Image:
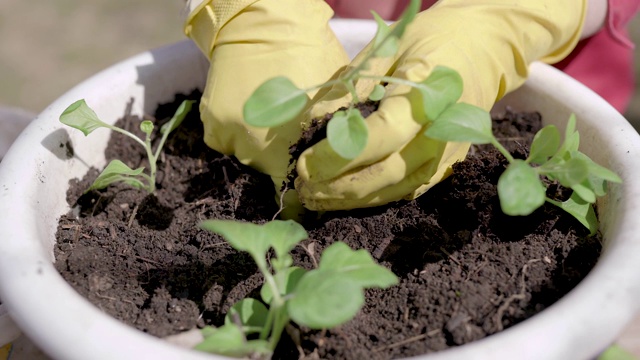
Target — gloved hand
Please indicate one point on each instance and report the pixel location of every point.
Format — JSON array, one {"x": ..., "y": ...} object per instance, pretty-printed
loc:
[
  {"x": 490, "y": 43},
  {"x": 247, "y": 43}
]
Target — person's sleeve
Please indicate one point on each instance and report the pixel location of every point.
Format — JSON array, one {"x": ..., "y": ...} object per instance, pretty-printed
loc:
[{"x": 620, "y": 13}]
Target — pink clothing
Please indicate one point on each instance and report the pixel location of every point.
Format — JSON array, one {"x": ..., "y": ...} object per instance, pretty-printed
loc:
[{"x": 603, "y": 62}]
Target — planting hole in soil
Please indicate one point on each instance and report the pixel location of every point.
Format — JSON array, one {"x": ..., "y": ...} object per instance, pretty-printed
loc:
[{"x": 466, "y": 270}]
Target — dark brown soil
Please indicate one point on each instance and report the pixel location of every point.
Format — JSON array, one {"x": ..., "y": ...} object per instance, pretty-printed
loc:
[{"x": 466, "y": 270}]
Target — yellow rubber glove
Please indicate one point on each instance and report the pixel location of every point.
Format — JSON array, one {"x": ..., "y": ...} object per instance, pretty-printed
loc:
[
  {"x": 247, "y": 43},
  {"x": 490, "y": 43}
]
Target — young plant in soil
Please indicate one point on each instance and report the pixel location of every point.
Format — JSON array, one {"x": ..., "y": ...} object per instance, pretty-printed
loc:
[
  {"x": 520, "y": 188},
  {"x": 322, "y": 298},
  {"x": 80, "y": 116}
]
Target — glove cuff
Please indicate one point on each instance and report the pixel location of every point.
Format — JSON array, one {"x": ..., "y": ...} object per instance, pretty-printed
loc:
[{"x": 207, "y": 17}]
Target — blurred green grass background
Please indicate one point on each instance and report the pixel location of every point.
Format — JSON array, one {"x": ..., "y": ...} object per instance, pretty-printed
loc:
[{"x": 48, "y": 46}]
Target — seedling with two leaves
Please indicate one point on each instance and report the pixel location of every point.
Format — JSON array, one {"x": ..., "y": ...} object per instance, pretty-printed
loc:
[
  {"x": 322, "y": 298},
  {"x": 80, "y": 116}
]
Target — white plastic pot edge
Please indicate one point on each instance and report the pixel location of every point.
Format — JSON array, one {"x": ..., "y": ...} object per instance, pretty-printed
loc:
[
  {"x": 8, "y": 329},
  {"x": 67, "y": 327}
]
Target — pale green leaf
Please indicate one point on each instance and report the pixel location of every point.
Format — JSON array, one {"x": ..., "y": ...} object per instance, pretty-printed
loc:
[
  {"x": 274, "y": 103},
  {"x": 257, "y": 239},
  {"x": 462, "y": 123},
  {"x": 545, "y": 143},
  {"x": 581, "y": 210},
  {"x": 616, "y": 352},
  {"x": 571, "y": 172},
  {"x": 178, "y": 117},
  {"x": 597, "y": 170},
  {"x": 357, "y": 265},
  {"x": 225, "y": 340},
  {"x": 80, "y": 116},
  {"x": 440, "y": 90},
  {"x": 116, "y": 171},
  {"x": 571, "y": 128},
  {"x": 406, "y": 17},
  {"x": 147, "y": 127},
  {"x": 251, "y": 313},
  {"x": 347, "y": 133},
  {"x": 229, "y": 340},
  {"x": 332, "y": 294},
  {"x": 286, "y": 280},
  {"x": 520, "y": 190},
  {"x": 324, "y": 299},
  {"x": 585, "y": 191},
  {"x": 377, "y": 93},
  {"x": 242, "y": 236},
  {"x": 384, "y": 43},
  {"x": 284, "y": 235}
]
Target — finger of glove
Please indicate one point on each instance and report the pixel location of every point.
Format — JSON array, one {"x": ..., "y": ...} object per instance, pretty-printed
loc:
[
  {"x": 391, "y": 127},
  {"x": 343, "y": 193},
  {"x": 256, "y": 46}
]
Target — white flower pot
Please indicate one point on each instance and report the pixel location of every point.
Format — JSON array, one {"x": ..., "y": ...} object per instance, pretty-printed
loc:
[
  {"x": 35, "y": 172},
  {"x": 12, "y": 122},
  {"x": 8, "y": 329}
]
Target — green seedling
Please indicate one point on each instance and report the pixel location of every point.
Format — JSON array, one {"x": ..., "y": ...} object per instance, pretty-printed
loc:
[
  {"x": 520, "y": 187},
  {"x": 80, "y": 116},
  {"x": 279, "y": 100},
  {"x": 322, "y": 298}
]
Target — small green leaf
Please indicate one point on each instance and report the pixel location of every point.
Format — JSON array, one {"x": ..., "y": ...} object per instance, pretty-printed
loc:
[
  {"x": 225, "y": 340},
  {"x": 80, "y": 116},
  {"x": 286, "y": 280},
  {"x": 616, "y": 352},
  {"x": 545, "y": 143},
  {"x": 570, "y": 129},
  {"x": 347, "y": 133},
  {"x": 251, "y": 313},
  {"x": 284, "y": 235},
  {"x": 333, "y": 293},
  {"x": 378, "y": 93},
  {"x": 571, "y": 172},
  {"x": 257, "y": 239},
  {"x": 406, "y": 17},
  {"x": 520, "y": 190},
  {"x": 274, "y": 103},
  {"x": 229, "y": 340},
  {"x": 581, "y": 210},
  {"x": 115, "y": 171},
  {"x": 146, "y": 127},
  {"x": 440, "y": 90},
  {"x": 178, "y": 117},
  {"x": 324, "y": 299},
  {"x": 384, "y": 43},
  {"x": 462, "y": 123},
  {"x": 598, "y": 185},
  {"x": 584, "y": 191},
  {"x": 357, "y": 265},
  {"x": 597, "y": 170}
]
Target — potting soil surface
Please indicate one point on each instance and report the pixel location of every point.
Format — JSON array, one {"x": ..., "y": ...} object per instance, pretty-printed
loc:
[{"x": 466, "y": 270}]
